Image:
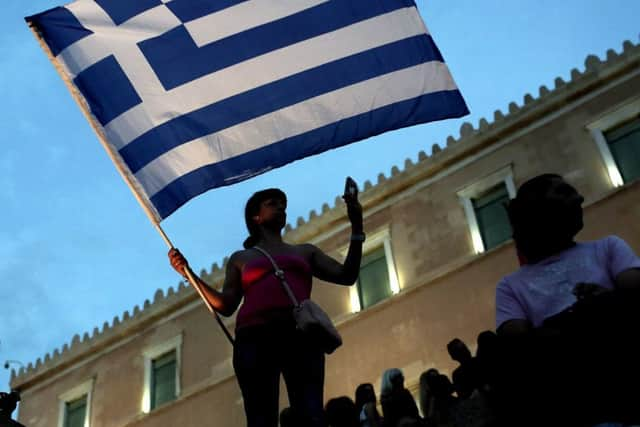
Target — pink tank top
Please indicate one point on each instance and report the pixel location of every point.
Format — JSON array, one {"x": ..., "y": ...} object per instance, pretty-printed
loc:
[{"x": 263, "y": 291}]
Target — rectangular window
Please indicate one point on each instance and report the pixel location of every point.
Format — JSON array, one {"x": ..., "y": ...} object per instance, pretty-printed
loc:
[
  {"x": 483, "y": 202},
  {"x": 624, "y": 144},
  {"x": 75, "y": 412},
  {"x": 163, "y": 379},
  {"x": 74, "y": 405},
  {"x": 162, "y": 363},
  {"x": 373, "y": 282},
  {"x": 491, "y": 215},
  {"x": 617, "y": 136}
]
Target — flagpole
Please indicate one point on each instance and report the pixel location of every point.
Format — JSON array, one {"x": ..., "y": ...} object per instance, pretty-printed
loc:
[{"x": 149, "y": 211}]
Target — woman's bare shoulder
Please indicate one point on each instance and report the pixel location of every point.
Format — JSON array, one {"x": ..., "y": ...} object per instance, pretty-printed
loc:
[
  {"x": 307, "y": 250},
  {"x": 239, "y": 258}
]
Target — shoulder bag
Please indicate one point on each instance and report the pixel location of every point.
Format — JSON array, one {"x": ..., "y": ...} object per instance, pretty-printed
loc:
[{"x": 309, "y": 317}]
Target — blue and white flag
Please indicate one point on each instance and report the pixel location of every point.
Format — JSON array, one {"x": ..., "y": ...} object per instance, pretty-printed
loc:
[{"x": 196, "y": 94}]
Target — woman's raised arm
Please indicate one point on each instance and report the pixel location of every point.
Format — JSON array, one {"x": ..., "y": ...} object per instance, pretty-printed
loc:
[{"x": 328, "y": 269}]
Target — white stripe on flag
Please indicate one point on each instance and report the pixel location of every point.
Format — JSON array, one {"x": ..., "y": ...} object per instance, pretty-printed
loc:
[
  {"x": 244, "y": 16},
  {"x": 295, "y": 120},
  {"x": 258, "y": 71}
]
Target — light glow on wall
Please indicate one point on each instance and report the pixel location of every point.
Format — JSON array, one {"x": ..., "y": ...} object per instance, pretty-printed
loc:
[
  {"x": 476, "y": 237},
  {"x": 614, "y": 175},
  {"x": 146, "y": 401},
  {"x": 612, "y": 169},
  {"x": 391, "y": 267},
  {"x": 354, "y": 299},
  {"x": 478, "y": 245}
]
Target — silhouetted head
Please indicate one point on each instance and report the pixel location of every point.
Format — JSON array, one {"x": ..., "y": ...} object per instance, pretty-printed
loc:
[
  {"x": 8, "y": 403},
  {"x": 342, "y": 412},
  {"x": 392, "y": 379},
  {"x": 425, "y": 392},
  {"x": 428, "y": 378},
  {"x": 290, "y": 418},
  {"x": 431, "y": 373},
  {"x": 365, "y": 394},
  {"x": 458, "y": 350},
  {"x": 433, "y": 383},
  {"x": 545, "y": 216},
  {"x": 265, "y": 208},
  {"x": 487, "y": 342}
]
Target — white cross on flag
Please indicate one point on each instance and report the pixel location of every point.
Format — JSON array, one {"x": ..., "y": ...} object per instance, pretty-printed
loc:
[{"x": 189, "y": 95}]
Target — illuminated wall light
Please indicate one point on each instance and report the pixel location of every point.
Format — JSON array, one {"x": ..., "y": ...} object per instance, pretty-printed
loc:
[
  {"x": 478, "y": 244},
  {"x": 391, "y": 268},
  {"x": 612, "y": 169},
  {"x": 476, "y": 237},
  {"x": 354, "y": 299},
  {"x": 614, "y": 175},
  {"x": 146, "y": 394},
  {"x": 146, "y": 401}
]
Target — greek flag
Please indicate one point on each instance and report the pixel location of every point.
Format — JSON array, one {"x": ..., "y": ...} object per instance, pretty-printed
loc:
[{"x": 191, "y": 95}]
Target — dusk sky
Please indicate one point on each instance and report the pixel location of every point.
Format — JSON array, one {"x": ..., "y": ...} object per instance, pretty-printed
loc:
[{"x": 75, "y": 247}]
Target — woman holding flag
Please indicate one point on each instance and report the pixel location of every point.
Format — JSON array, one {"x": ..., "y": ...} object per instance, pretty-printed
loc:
[{"x": 267, "y": 341}]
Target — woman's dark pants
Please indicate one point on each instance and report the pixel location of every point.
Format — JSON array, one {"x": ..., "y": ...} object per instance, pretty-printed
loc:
[{"x": 261, "y": 354}]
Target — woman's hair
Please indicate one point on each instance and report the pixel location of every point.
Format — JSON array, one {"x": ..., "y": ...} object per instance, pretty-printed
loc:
[
  {"x": 252, "y": 209},
  {"x": 425, "y": 393},
  {"x": 389, "y": 378},
  {"x": 364, "y": 394}
]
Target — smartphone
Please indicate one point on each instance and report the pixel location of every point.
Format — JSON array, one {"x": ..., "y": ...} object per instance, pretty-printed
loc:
[{"x": 350, "y": 187}]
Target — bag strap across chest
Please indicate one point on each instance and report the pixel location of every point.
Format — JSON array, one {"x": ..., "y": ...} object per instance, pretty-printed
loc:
[{"x": 279, "y": 273}]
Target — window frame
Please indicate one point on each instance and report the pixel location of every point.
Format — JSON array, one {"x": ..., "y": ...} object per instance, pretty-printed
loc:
[
  {"x": 374, "y": 241},
  {"x": 77, "y": 392},
  {"x": 152, "y": 353},
  {"x": 466, "y": 195},
  {"x": 607, "y": 122}
]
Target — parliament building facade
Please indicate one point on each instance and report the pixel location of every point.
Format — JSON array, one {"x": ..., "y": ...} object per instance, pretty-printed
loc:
[{"x": 438, "y": 241}]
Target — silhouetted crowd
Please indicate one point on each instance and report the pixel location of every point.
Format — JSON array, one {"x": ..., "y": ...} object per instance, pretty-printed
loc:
[
  {"x": 465, "y": 400},
  {"x": 557, "y": 375}
]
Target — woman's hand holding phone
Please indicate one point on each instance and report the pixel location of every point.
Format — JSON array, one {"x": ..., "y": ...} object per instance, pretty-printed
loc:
[{"x": 354, "y": 210}]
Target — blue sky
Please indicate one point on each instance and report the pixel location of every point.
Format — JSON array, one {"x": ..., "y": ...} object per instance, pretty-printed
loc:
[{"x": 76, "y": 249}]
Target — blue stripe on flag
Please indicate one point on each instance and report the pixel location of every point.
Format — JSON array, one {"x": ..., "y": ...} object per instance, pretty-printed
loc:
[
  {"x": 107, "y": 89},
  {"x": 277, "y": 95},
  {"x": 188, "y": 10},
  {"x": 52, "y": 22},
  {"x": 430, "y": 107},
  {"x": 162, "y": 52},
  {"x": 121, "y": 11}
]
